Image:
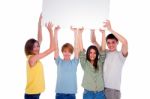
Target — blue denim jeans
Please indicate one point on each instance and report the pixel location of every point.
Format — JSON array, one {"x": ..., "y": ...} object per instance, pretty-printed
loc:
[
  {"x": 93, "y": 94},
  {"x": 31, "y": 96},
  {"x": 65, "y": 96}
]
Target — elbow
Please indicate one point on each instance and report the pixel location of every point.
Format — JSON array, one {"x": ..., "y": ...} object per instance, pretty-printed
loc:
[
  {"x": 125, "y": 42},
  {"x": 52, "y": 48}
]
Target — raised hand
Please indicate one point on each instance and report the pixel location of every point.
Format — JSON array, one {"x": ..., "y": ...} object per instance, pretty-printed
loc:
[
  {"x": 101, "y": 30},
  {"x": 75, "y": 30},
  {"x": 80, "y": 30},
  {"x": 49, "y": 26},
  {"x": 92, "y": 30},
  {"x": 57, "y": 28},
  {"x": 107, "y": 25}
]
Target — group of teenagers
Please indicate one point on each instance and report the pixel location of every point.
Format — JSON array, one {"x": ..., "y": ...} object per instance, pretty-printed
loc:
[{"x": 102, "y": 67}]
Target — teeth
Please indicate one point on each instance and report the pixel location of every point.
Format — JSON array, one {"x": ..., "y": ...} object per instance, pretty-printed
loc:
[{"x": 92, "y": 57}]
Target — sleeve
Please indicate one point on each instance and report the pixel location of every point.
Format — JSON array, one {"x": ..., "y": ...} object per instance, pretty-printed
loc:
[
  {"x": 58, "y": 60},
  {"x": 102, "y": 56},
  {"x": 82, "y": 57},
  {"x": 75, "y": 61},
  {"x": 122, "y": 57}
]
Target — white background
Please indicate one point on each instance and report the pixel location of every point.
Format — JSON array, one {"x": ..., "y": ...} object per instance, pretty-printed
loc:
[{"x": 18, "y": 22}]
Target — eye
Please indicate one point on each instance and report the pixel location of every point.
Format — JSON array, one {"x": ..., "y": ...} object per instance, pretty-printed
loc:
[
  {"x": 113, "y": 42},
  {"x": 38, "y": 46},
  {"x": 108, "y": 42},
  {"x": 34, "y": 46}
]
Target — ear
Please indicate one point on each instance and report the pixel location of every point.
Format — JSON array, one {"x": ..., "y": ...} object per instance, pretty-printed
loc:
[{"x": 117, "y": 42}]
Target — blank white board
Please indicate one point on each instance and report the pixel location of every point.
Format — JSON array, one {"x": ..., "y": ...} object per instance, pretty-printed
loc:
[{"x": 87, "y": 13}]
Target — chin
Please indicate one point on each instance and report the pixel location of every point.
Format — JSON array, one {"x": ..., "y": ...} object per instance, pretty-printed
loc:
[
  {"x": 112, "y": 50},
  {"x": 67, "y": 57},
  {"x": 92, "y": 59}
]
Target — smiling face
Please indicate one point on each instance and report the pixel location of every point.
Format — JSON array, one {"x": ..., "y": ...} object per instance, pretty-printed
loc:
[
  {"x": 66, "y": 54},
  {"x": 32, "y": 47},
  {"x": 67, "y": 50},
  {"x": 92, "y": 54},
  {"x": 112, "y": 44},
  {"x": 36, "y": 48}
]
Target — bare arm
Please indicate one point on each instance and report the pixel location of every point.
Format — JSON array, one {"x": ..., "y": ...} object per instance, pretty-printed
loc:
[
  {"x": 80, "y": 31},
  {"x": 56, "y": 52},
  {"x": 76, "y": 45},
  {"x": 119, "y": 37},
  {"x": 40, "y": 30},
  {"x": 33, "y": 59},
  {"x": 93, "y": 39},
  {"x": 103, "y": 43}
]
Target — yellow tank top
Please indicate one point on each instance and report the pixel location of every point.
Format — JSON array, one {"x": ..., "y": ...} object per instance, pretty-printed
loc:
[{"x": 35, "y": 78}]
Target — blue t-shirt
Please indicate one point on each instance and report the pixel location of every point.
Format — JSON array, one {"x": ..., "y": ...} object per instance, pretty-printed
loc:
[{"x": 66, "y": 76}]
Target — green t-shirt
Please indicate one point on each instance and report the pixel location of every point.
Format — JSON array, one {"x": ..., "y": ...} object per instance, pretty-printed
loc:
[{"x": 92, "y": 79}]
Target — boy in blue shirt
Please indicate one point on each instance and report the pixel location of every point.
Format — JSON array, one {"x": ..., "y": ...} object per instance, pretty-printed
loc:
[{"x": 66, "y": 86}]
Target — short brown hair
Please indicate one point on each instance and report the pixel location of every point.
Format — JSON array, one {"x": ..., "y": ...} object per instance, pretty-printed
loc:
[
  {"x": 67, "y": 46},
  {"x": 29, "y": 46}
]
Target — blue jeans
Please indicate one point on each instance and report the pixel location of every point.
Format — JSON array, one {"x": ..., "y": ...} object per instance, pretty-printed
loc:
[
  {"x": 31, "y": 96},
  {"x": 93, "y": 95},
  {"x": 65, "y": 96}
]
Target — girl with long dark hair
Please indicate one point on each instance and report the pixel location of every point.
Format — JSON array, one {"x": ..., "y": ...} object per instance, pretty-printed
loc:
[{"x": 92, "y": 64}]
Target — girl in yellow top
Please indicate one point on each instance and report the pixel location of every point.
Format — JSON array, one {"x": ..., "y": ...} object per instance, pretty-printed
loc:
[{"x": 35, "y": 76}]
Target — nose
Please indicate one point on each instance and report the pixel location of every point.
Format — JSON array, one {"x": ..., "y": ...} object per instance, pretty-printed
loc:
[
  {"x": 111, "y": 45},
  {"x": 92, "y": 54}
]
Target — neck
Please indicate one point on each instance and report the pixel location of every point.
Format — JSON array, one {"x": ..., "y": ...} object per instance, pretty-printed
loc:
[
  {"x": 66, "y": 59},
  {"x": 92, "y": 62},
  {"x": 112, "y": 50}
]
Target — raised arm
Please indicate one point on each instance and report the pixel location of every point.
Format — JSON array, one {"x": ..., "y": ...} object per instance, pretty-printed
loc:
[
  {"x": 33, "y": 59},
  {"x": 119, "y": 37},
  {"x": 82, "y": 55},
  {"x": 49, "y": 28},
  {"x": 93, "y": 39},
  {"x": 103, "y": 42},
  {"x": 56, "y": 51},
  {"x": 40, "y": 30},
  {"x": 76, "y": 45},
  {"x": 80, "y": 31}
]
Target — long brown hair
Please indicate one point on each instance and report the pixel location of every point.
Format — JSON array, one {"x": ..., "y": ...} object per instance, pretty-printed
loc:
[{"x": 29, "y": 46}]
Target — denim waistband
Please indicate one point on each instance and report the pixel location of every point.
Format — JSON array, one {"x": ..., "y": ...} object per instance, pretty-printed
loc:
[{"x": 93, "y": 91}]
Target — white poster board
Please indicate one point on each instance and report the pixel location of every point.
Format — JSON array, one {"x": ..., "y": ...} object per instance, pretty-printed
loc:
[{"x": 87, "y": 13}]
